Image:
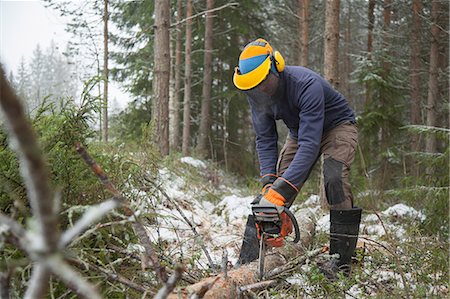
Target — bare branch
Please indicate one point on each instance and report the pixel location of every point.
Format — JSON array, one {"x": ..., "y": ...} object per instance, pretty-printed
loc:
[
  {"x": 14, "y": 227},
  {"x": 194, "y": 230},
  {"x": 293, "y": 264},
  {"x": 38, "y": 283},
  {"x": 110, "y": 276},
  {"x": 225, "y": 263},
  {"x": 170, "y": 284},
  {"x": 232, "y": 4},
  {"x": 32, "y": 166},
  {"x": 71, "y": 278},
  {"x": 92, "y": 215},
  {"x": 5, "y": 282}
]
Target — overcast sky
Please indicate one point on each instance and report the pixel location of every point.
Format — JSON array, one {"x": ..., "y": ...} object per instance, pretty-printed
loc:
[{"x": 24, "y": 24}]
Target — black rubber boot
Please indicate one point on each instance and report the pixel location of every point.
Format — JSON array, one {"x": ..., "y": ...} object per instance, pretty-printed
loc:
[{"x": 344, "y": 231}]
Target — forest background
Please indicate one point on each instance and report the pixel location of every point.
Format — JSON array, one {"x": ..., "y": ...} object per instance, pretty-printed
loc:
[{"x": 175, "y": 59}]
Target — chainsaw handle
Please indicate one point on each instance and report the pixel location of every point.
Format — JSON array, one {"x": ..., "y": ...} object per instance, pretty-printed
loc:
[{"x": 294, "y": 223}]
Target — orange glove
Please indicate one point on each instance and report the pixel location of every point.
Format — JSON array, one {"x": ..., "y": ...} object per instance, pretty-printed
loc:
[{"x": 281, "y": 192}]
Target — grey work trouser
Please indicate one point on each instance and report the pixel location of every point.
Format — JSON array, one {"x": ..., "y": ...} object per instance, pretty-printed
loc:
[{"x": 338, "y": 147}]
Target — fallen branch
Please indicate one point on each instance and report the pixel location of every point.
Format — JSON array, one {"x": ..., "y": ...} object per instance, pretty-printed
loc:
[
  {"x": 108, "y": 275},
  {"x": 194, "y": 230},
  {"x": 220, "y": 287},
  {"x": 170, "y": 284},
  {"x": 138, "y": 227},
  {"x": 291, "y": 265}
]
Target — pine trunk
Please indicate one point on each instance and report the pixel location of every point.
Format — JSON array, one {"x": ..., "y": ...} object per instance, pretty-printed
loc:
[
  {"x": 175, "y": 120},
  {"x": 105, "y": 72},
  {"x": 187, "y": 81},
  {"x": 303, "y": 13},
  {"x": 371, "y": 18},
  {"x": 207, "y": 81},
  {"x": 416, "y": 68},
  {"x": 370, "y": 25},
  {"x": 347, "y": 61},
  {"x": 433, "y": 84},
  {"x": 331, "y": 44},
  {"x": 162, "y": 73}
]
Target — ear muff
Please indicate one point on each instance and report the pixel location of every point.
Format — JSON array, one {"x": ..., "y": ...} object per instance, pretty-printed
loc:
[{"x": 279, "y": 61}]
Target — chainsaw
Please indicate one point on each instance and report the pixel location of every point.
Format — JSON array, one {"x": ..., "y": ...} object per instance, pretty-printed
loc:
[{"x": 272, "y": 229}]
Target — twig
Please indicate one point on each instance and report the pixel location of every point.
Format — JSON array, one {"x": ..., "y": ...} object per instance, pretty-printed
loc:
[
  {"x": 225, "y": 263},
  {"x": 292, "y": 264},
  {"x": 38, "y": 283},
  {"x": 170, "y": 284},
  {"x": 14, "y": 227},
  {"x": 396, "y": 258},
  {"x": 137, "y": 226},
  {"x": 194, "y": 230},
  {"x": 91, "y": 216},
  {"x": 232, "y": 4},
  {"x": 110, "y": 276},
  {"x": 5, "y": 283},
  {"x": 71, "y": 278}
]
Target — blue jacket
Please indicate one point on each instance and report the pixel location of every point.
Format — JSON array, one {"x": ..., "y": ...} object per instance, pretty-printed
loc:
[{"x": 309, "y": 106}]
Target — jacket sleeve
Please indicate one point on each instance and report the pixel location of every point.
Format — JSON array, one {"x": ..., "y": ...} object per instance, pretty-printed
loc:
[
  {"x": 266, "y": 139},
  {"x": 311, "y": 103}
]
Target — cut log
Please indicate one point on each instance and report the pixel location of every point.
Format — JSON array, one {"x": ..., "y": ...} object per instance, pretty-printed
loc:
[{"x": 229, "y": 287}]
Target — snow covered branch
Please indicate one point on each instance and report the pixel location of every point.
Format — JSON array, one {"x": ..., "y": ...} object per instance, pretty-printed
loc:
[
  {"x": 32, "y": 166},
  {"x": 92, "y": 215},
  {"x": 194, "y": 230}
]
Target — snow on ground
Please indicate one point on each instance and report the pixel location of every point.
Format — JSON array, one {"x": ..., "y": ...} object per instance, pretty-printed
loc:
[
  {"x": 193, "y": 162},
  {"x": 221, "y": 224}
]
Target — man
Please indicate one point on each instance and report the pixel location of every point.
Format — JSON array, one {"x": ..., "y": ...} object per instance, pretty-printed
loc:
[{"x": 320, "y": 121}]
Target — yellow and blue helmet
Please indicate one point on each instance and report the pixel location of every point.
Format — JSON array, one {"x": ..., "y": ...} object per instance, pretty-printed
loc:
[{"x": 255, "y": 63}]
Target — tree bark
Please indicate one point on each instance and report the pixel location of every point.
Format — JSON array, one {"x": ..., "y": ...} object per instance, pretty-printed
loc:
[
  {"x": 207, "y": 82},
  {"x": 175, "y": 120},
  {"x": 347, "y": 61},
  {"x": 433, "y": 83},
  {"x": 384, "y": 133},
  {"x": 370, "y": 25},
  {"x": 331, "y": 44},
  {"x": 416, "y": 68},
  {"x": 105, "y": 71},
  {"x": 187, "y": 81},
  {"x": 162, "y": 74},
  {"x": 303, "y": 23},
  {"x": 371, "y": 18}
]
